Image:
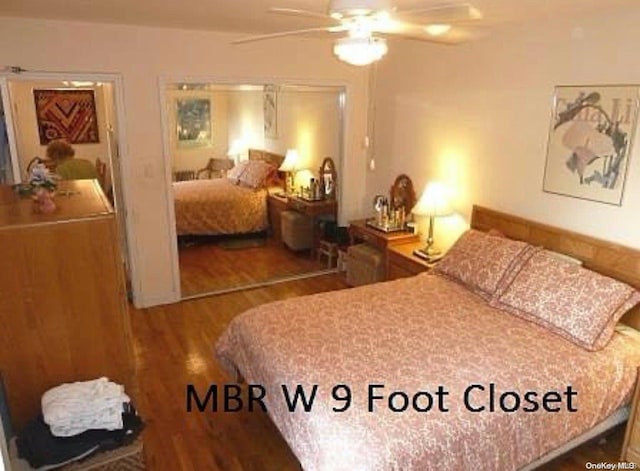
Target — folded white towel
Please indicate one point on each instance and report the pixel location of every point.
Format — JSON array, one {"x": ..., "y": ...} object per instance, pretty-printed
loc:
[{"x": 73, "y": 408}]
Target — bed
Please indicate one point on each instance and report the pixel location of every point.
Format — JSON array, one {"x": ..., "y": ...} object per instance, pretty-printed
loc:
[
  {"x": 222, "y": 206},
  {"x": 424, "y": 360}
]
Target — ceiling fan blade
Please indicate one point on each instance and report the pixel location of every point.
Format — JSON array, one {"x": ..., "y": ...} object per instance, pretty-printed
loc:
[
  {"x": 443, "y": 13},
  {"x": 296, "y": 12},
  {"x": 452, "y": 37},
  {"x": 260, "y": 37}
]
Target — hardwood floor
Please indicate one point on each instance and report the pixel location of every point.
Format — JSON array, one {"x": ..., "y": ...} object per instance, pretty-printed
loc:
[
  {"x": 206, "y": 267},
  {"x": 174, "y": 347}
]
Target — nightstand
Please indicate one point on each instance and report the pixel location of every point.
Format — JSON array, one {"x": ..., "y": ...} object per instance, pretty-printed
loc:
[
  {"x": 401, "y": 262},
  {"x": 631, "y": 445}
]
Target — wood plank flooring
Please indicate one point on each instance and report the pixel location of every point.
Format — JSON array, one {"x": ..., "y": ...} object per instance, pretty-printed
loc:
[
  {"x": 206, "y": 267},
  {"x": 174, "y": 347}
]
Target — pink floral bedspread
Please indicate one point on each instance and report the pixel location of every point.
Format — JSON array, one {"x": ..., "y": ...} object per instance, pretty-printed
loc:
[
  {"x": 414, "y": 335},
  {"x": 217, "y": 206}
]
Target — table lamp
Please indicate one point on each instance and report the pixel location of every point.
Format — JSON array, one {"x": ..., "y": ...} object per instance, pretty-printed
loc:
[
  {"x": 289, "y": 167},
  {"x": 433, "y": 203}
]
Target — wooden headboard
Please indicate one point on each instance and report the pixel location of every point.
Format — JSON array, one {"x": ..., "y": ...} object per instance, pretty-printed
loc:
[
  {"x": 270, "y": 157},
  {"x": 607, "y": 258}
]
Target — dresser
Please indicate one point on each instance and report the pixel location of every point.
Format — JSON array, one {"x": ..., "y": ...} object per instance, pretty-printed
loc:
[
  {"x": 631, "y": 445},
  {"x": 63, "y": 310}
]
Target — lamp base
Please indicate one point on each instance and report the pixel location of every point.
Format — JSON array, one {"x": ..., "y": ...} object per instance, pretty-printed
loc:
[{"x": 429, "y": 254}]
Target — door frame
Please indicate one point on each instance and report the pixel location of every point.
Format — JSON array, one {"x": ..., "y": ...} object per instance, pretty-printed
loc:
[
  {"x": 123, "y": 214},
  {"x": 344, "y": 89},
  {"x": 11, "y": 135}
]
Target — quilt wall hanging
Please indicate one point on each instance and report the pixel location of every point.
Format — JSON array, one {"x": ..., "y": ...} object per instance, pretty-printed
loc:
[
  {"x": 66, "y": 114},
  {"x": 592, "y": 129}
]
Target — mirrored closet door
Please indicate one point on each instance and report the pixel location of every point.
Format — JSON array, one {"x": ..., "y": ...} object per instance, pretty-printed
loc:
[{"x": 252, "y": 203}]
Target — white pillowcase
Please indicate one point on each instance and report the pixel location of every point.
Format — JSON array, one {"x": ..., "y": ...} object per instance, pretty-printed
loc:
[
  {"x": 255, "y": 174},
  {"x": 565, "y": 257},
  {"x": 234, "y": 174}
]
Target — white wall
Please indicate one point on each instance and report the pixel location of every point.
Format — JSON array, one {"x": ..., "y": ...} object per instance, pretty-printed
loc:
[
  {"x": 246, "y": 119},
  {"x": 477, "y": 116},
  {"x": 28, "y": 139},
  {"x": 142, "y": 55},
  {"x": 309, "y": 122}
]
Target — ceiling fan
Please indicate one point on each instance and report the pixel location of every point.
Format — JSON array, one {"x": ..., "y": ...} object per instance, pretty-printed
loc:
[{"x": 367, "y": 23}]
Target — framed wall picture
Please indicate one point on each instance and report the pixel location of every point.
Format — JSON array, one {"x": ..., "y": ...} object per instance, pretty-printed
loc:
[
  {"x": 270, "y": 104},
  {"x": 590, "y": 137},
  {"x": 193, "y": 122},
  {"x": 68, "y": 114}
]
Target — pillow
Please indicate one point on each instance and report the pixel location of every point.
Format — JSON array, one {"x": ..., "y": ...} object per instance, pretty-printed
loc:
[
  {"x": 565, "y": 257},
  {"x": 255, "y": 174},
  {"x": 484, "y": 263},
  {"x": 569, "y": 300},
  {"x": 234, "y": 174}
]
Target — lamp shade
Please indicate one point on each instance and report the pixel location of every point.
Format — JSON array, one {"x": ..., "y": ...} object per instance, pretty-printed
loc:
[
  {"x": 434, "y": 201},
  {"x": 290, "y": 161}
]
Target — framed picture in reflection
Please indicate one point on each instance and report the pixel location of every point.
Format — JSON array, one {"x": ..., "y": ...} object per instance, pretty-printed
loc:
[{"x": 270, "y": 104}]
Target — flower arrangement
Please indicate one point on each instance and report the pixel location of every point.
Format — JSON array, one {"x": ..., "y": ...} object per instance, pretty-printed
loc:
[{"x": 39, "y": 179}]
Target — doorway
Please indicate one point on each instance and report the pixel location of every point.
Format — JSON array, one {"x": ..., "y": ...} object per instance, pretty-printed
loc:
[{"x": 26, "y": 132}]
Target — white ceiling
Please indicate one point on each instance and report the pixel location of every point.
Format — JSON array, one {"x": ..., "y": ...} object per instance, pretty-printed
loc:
[{"x": 251, "y": 16}]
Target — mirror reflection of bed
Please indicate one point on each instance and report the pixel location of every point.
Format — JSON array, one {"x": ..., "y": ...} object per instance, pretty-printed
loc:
[{"x": 235, "y": 224}]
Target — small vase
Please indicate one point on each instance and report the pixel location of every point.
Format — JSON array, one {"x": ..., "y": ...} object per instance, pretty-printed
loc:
[{"x": 43, "y": 201}]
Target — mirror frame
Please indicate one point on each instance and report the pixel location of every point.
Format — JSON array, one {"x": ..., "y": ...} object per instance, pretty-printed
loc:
[
  {"x": 328, "y": 167},
  {"x": 341, "y": 87},
  {"x": 403, "y": 184}
]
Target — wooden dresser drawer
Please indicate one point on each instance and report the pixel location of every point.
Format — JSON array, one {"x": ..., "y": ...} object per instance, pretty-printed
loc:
[
  {"x": 632, "y": 455},
  {"x": 631, "y": 445}
]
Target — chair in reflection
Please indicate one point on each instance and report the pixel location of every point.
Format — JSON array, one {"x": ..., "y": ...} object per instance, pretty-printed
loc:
[
  {"x": 216, "y": 168},
  {"x": 184, "y": 175}
]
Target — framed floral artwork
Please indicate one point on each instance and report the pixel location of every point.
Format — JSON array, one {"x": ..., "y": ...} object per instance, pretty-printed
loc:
[
  {"x": 590, "y": 137},
  {"x": 193, "y": 122}
]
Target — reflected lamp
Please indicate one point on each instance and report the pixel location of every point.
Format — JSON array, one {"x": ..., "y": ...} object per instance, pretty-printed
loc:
[{"x": 288, "y": 166}]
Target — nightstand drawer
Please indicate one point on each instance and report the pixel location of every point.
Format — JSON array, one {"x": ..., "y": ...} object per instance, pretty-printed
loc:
[
  {"x": 395, "y": 271},
  {"x": 401, "y": 263}
]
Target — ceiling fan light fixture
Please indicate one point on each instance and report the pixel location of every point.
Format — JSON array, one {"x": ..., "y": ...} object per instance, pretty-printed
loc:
[
  {"x": 360, "y": 50},
  {"x": 437, "y": 29}
]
